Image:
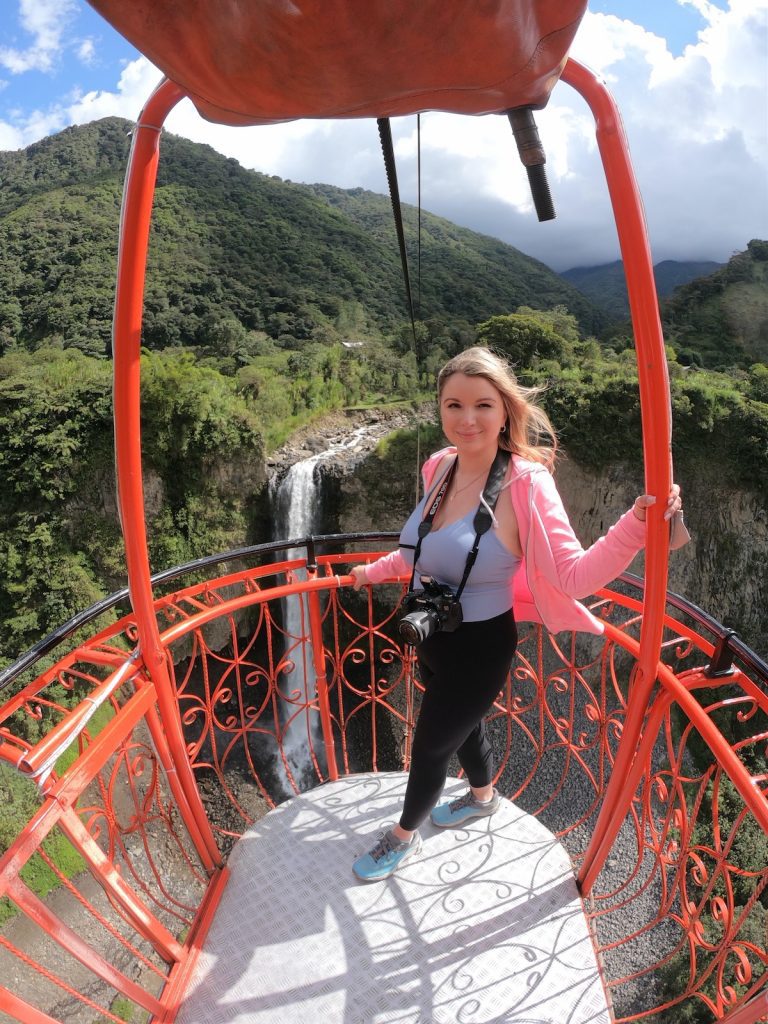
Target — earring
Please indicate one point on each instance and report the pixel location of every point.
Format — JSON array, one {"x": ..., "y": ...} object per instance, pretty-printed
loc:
[{"x": 503, "y": 429}]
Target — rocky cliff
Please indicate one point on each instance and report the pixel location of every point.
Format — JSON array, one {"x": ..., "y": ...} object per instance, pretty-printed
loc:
[{"x": 723, "y": 569}]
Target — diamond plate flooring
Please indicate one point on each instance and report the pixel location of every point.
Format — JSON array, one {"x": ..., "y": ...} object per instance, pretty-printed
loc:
[{"x": 486, "y": 925}]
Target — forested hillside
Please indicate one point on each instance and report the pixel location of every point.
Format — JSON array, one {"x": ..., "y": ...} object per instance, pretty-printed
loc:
[
  {"x": 256, "y": 289},
  {"x": 60, "y": 543},
  {"x": 721, "y": 320},
  {"x": 271, "y": 304},
  {"x": 717, "y": 322},
  {"x": 235, "y": 255},
  {"x": 458, "y": 265}
]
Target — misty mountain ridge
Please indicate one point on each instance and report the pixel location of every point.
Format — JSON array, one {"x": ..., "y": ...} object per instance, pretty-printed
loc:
[
  {"x": 605, "y": 285},
  {"x": 721, "y": 321}
]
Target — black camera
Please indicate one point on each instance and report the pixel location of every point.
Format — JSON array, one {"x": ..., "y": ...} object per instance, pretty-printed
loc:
[{"x": 428, "y": 611}]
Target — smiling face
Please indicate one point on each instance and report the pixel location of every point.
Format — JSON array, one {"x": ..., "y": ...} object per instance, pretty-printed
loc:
[{"x": 472, "y": 413}]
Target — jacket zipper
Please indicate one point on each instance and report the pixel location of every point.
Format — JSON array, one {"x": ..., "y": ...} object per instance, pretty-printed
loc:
[{"x": 527, "y": 551}]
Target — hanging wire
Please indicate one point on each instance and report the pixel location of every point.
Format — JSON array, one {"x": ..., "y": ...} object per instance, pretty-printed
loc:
[
  {"x": 418, "y": 205},
  {"x": 418, "y": 283},
  {"x": 388, "y": 149}
]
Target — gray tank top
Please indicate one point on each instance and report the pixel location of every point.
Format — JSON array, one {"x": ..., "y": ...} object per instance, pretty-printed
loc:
[{"x": 444, "y": 555}]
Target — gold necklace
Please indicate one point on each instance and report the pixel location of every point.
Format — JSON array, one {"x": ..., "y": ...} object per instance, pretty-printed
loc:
[{"x": 465, "y": 486}]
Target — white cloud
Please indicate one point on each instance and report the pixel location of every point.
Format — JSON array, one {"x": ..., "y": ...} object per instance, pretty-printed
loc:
[
  {"x": 695, "y": 124},
  {"x": 710, "y": 12},
  {"x": 10, "y": 137},
  {"x": 697, "y": 132},
  {"x": 697, "y": 137},
  {"x": 46, "y": 21},
  {"x": 137, "y": 80},
  {"x": 86, "y": 52},
  {"x": 286, "y": 149}
]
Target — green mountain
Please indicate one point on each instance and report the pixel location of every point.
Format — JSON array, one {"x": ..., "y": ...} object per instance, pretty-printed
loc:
[
  {"x": 718, "y": 321},
  {"x": 252, "y": 284},
  {"x": 606, "y": 287},
  {"x": 671, "y": 274},
  {"x": 232, "y": 251},
  {"x": 457, "y": 264},
  {"x": 721, "y": 321}
]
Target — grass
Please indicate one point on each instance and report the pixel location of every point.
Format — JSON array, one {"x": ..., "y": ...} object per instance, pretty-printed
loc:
[{"x": 21, "y": 802}]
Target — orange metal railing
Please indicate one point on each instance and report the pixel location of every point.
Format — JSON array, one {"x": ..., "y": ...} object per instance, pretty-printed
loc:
[{"x": 681, "y": 893}]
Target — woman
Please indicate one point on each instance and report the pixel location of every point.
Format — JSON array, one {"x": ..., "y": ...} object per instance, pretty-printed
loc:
[{"x": 530, "y": 564}]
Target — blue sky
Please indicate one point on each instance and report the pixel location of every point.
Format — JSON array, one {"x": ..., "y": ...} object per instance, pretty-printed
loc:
[
  {"x": 690, "y": 77},
  {"x": 677, "y": 23},
  {"x": 84, "y": 55}
]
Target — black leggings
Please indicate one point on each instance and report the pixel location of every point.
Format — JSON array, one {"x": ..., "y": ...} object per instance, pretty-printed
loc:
[{"x": 462, "y": 673}]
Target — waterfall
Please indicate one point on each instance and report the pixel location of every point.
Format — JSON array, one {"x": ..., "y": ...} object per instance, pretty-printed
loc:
[{"x": 297, "y": 507}]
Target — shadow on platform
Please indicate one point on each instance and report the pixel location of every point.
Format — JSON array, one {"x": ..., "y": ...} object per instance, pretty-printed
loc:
[{"x": 486, "y": 925}]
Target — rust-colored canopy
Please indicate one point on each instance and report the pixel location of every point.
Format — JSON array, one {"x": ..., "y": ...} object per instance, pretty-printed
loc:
[{"x": 259, "y": 61}]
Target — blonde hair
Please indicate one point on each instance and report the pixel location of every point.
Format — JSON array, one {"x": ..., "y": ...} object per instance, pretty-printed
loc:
[{"x": 528, "y": 432}]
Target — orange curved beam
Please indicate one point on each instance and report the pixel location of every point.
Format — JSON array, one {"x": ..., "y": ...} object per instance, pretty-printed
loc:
[
  {"x": 654, "y": 398},
  {"x": 655, "y": 408},
  {"x": 678, "y": 691},
  {"x": 129, "y": 301}
]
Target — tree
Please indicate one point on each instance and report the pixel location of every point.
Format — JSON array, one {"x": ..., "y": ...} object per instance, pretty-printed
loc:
[
  {"x": 522, "y": 338},
  {"x": 758, "y": 382}
]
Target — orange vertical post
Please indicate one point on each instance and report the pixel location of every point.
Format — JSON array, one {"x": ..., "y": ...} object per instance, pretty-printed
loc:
[
  {"x": 321, "y": 682},
  {"x": 655, "y": 408},
  {"x": 129, "y": 301}
]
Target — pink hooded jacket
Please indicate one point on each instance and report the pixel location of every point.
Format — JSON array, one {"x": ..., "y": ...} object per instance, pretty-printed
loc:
[{"x": 555, "y": 569}]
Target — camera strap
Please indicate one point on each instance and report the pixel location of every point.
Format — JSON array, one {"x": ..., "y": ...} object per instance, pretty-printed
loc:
[{"x": 483, "y": 517}]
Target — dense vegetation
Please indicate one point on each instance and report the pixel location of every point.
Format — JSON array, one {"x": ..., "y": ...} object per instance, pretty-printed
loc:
[
  {"x": 60, "y": 546},
  {"x": 60, "y": 542},
  {"x": 253, "y": 285},
  {"x": 718, "y": 322},
  {"x": 721, "y": 321},
  {"x": 592, "y": 393}
]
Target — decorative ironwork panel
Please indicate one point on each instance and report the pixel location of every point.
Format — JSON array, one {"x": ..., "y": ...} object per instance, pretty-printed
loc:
[{"x": 276, "y": 697}]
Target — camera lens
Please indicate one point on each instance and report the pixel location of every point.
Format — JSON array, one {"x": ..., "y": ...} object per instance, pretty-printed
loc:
[{"x": 416, "y": 627}]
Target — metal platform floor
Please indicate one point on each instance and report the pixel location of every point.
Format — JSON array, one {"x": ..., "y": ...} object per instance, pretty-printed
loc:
[{"x": 486, "y": 925}]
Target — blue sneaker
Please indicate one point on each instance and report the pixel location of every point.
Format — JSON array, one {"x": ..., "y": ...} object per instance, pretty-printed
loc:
[
  {"x": 386, "y": 857},
  {"x": 463, "y": 809}
]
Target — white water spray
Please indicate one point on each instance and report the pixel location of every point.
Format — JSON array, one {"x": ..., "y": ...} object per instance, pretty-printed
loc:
[{"x": 297, "y": 505}]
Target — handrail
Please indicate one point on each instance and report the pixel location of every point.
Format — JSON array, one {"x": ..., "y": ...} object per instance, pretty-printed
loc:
[
  {"x": 655, "y": 405},
  {"x": 733, "y": 641},
  {"x": 81, "y": 619}
]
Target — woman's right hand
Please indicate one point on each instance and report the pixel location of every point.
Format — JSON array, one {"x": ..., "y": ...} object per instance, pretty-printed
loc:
[
  {"x": 674, "y": 503},
  {"x": 358, "y": 571}
]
